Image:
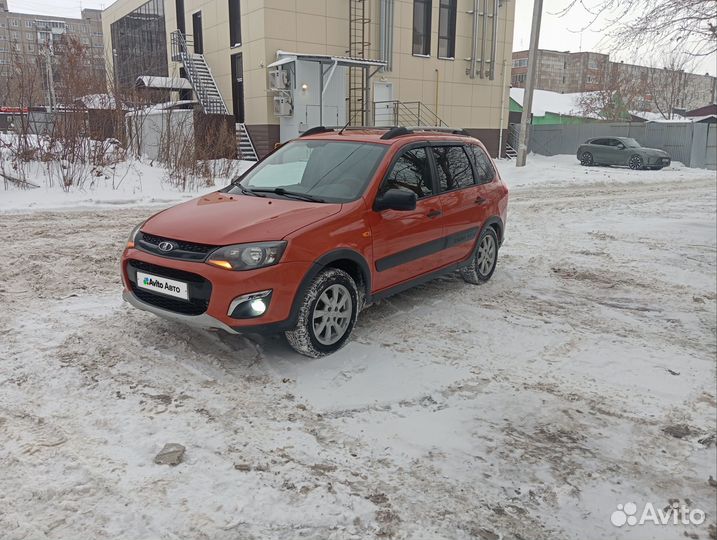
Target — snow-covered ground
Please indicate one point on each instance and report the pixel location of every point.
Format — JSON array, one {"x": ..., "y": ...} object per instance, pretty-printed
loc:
[
  {"x": 129, "y": 183},
  {"x": 581, "y": 377}
]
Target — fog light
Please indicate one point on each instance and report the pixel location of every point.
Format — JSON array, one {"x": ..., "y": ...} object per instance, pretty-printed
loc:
[
  {"x": 249, "y": 306},
  {"x": 258, "y": 306}
]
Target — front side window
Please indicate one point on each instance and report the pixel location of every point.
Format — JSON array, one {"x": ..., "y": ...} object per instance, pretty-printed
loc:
[
  {"x": 411, "y": 172},
  {"x": 422, "y": 27},
  {"x": 447, "y": 29},
  {"x": 482, "y": 164},
  {"x": 453, "y": 166},
  {"x": 334, "y": 171}
]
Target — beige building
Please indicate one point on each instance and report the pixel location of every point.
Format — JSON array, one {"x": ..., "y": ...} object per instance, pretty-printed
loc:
[
  {"x": 281, "y": 66},
  {"x": 24, "y": 37}
]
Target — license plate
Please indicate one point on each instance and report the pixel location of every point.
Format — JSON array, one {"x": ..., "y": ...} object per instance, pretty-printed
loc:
[{"x": 161, "y": 285}]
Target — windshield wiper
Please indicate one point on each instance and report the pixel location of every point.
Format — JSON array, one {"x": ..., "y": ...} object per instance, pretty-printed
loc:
[
  {"x": 292, "y": 194},
  {"x": 247, "y": 191}
]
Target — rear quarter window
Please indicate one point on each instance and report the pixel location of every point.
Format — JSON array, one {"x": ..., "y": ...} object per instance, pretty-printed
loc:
[{"x": 483, "y": 166}]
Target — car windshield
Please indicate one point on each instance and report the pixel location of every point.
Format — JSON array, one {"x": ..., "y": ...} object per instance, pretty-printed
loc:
[
  {"x": 630, "y": 143},
  {"x": 324, "y": 171}
]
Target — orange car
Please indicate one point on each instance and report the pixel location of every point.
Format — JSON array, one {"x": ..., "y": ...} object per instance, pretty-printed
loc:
[{"x": 320, "y": 228}]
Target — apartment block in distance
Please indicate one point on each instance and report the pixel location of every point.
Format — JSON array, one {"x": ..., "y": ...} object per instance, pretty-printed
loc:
[
  {"x": 280, "y": 67},
  {"x": 24, "y": 37},
  {"x": 568, "y": 73}
]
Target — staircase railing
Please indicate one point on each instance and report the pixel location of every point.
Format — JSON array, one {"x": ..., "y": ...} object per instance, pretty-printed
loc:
[
  {"x": 180, "y": 53},
  {"x": 406, "y": 113}
]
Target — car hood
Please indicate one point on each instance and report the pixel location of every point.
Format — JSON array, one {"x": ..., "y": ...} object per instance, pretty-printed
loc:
[
  {"x": 223, "y": 219},
  {"x": 654, "y": 152}
]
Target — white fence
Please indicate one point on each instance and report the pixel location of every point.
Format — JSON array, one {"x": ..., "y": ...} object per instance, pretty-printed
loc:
[{"x": 695, "y": 145}]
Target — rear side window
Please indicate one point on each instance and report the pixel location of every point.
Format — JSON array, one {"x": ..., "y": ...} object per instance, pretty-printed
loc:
[
  {"x": 600, "y": 142},
  {"x": 483, "y": 166},
  {"x": 453, "y": 166},
  {"x": 411, "y": 172}
]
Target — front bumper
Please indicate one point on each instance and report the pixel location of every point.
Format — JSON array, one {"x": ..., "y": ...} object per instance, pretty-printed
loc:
[
  {"x": 203, "y": 321},
  {"x": 225, "y": 286}
]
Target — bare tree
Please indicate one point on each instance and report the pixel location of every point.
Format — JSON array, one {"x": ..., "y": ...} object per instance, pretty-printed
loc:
[
  {"x": 670, "y": 87},
  {"x": 623, "y": 91},
  {"x": 689, "y": 25}
]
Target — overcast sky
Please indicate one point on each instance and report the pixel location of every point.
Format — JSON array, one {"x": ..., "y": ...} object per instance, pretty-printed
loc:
[{"x": 559, "y": 33}]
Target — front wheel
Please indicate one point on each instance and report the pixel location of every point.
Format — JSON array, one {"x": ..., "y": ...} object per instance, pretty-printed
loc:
[
  {"x": 636, "y": 163},
  {"x": 484, "y": 260},
  {"x": 327, "y": 314}
]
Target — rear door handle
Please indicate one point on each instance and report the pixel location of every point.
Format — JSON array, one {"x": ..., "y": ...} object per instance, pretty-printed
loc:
[
  {"x": 434, "y": 213},
  {"x": 480, "y": 200}
]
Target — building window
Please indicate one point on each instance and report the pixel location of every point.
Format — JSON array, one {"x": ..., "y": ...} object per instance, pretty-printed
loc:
[
  {"x": 30, "y": 48},
  {"x": 447, "y": 29},
  {"x": 28, "y": 24},
  {"x": 520, "y": 62},
  {"x": 422, "y": 27},
  {"x": 181, "y": 23},
  {"x": 234, "y": 23},
  {"x": 28, "y": 36},
  {"x": 13, "y": 22},
  {"x": 139, "y": 44},
  {"x": 592, "y": 64}
]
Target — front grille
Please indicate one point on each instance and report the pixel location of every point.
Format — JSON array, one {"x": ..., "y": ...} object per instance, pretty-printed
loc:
[
  {"x": 180, "y": 249},
  {"x": 199, "y": 288}
]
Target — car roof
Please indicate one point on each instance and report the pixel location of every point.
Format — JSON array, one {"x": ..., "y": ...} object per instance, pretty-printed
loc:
[{"x": 374, "y": 135}]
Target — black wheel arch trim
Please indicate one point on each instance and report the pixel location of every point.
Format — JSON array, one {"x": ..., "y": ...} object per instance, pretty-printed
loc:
[
  {"x": 494, "y": 220},
  {"x": 317, "y": 266}
]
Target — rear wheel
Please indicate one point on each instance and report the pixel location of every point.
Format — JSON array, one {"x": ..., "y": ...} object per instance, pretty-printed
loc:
[
  {"x": 636, "y": 162},
  {"x": 484, "y": 260},
  {"x": 327, "y": 314},
  {"x": 586, "y": 159}
]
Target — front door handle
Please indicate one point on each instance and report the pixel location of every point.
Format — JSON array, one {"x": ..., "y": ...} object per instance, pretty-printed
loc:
[{"x": 434, "y": 213}]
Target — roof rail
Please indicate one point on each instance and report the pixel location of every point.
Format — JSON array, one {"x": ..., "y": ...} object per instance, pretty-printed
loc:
[
  {"x": 315, "y": 130},
  {"x": 396, "y": 132},
  {"x": 441, "y": 129}
]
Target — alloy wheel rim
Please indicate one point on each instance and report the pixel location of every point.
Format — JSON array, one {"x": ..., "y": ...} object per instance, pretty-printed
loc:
[
  {"x": 486, "y": 255},
  {"x": 635, "y": 162},
  {"x": 332, "y": 314},
  {"x": 587, "y": 159}
]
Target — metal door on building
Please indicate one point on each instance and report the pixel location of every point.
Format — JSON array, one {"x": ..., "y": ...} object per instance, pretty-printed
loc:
[
  {"x": 238, "y": 87},
  {"x": 384, "y": 106}
]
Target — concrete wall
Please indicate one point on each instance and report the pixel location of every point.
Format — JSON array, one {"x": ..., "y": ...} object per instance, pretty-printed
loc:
[{"x": 695, "y": 145}]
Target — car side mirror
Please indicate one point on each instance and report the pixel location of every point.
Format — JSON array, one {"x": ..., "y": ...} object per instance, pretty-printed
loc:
[
  {"x": 396, "y": 199},
  {"x": 621, "y": 147}
]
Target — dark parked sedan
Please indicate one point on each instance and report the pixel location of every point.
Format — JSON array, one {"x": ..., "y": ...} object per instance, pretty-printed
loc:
[{"x": 621, "y": 151}]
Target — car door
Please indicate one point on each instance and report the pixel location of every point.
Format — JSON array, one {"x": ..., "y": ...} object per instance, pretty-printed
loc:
[
  {"x": 405, "y": 243},
  {"x": 613, "y": 152},
  {"x": 463, "y": 207},
  {"x": 598, "y": 148}
]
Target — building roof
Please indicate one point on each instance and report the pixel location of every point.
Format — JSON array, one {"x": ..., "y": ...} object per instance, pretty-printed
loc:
[
  {"x": 284, "y": 57},
  {"x": 545, "y": 101}
]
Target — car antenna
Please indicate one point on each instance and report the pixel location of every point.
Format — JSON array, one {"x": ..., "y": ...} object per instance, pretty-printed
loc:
[{"x": 345, "y": 126}]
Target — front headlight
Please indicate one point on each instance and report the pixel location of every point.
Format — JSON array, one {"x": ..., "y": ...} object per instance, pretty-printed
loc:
[
  {"x": 247, "y": 256},
  {"x": 133, "y": 235}
]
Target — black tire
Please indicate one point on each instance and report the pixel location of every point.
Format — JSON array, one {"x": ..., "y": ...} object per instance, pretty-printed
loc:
[
  {"x": 636, "y": 163},
  {"x": 656, "y": 168},
  {"x": 480, "y": 270},
  {"x": 304, "y": 338},
  {"x": 586, "y": 159}
]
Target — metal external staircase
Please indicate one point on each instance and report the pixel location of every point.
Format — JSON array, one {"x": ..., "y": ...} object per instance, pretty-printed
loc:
[
  {"x": 198, "y": 74},
  {"x": 512, "y": 142},
  {"x": 358, "y": 45},
  {"x": 245, "y": 147}
]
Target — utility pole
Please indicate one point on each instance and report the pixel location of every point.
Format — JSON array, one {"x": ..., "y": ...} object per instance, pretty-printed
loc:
[{"x": 529, "y": 84}]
